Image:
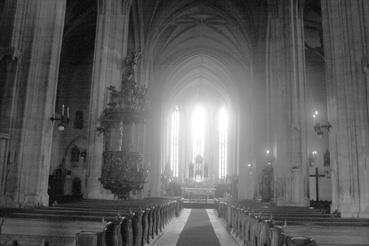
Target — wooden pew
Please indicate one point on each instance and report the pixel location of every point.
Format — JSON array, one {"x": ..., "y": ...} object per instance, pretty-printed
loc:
[
  {"x": 141, "y": 221},
  {"x": 248, "y": 222},
  {"x": 35, "y": 229},
  {"x": 161, "y": 210},
  {"x": 161, "y": 213},
  {"x": 325, "y": 229},
  {"x": 254, "y": 230}
]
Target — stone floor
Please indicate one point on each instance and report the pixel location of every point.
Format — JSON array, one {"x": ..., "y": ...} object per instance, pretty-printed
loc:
[{"x": 173, "y": 230}]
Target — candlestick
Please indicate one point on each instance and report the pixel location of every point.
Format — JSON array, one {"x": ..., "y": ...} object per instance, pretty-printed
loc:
[{"x": 63, "y": 110}]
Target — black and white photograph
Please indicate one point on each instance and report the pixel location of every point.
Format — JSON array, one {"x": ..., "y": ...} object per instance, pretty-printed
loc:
[{"x": 184, "y": 122}]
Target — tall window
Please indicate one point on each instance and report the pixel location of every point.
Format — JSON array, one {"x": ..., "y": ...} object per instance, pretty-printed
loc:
[
  {"x": 223, "y": 139},
  {"x": 198, "y": 132},
  {"x": 174, "y": 141}
]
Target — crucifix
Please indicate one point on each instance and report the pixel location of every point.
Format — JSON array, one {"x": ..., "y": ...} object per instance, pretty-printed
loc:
[{"x": 317, "y": 176}]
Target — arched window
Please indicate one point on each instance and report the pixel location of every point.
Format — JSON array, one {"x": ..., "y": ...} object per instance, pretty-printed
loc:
[
  {"x": 223, "y": 141},
  {"x": 174, "y": 141},
  {"x": 198, "y": 132}
]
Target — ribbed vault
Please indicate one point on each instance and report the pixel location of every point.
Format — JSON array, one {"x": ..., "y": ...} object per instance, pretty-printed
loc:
[
  {"x": 205, "y": 72},
  {"x": 194, "y": 40}
]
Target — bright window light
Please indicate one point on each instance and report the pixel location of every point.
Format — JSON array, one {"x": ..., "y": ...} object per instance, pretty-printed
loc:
[
  {"x": 223, "y": 141},
  {"x": 174, "y": 141}
]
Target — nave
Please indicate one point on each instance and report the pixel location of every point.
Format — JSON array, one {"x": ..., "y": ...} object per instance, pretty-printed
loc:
[{"x": 110, "y": 110}]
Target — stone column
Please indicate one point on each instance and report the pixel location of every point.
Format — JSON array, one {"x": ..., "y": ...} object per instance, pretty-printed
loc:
[
  {"x": 8, "y": 63},
  {"x": 286, "y": 101},
  {"x": 35, "y": 32},
  {"x": 152, "y": 150},
  {"x": 346, "y": 48},
  {"x": 110, "y": 50},
  {"x": 245, "y": 141}
]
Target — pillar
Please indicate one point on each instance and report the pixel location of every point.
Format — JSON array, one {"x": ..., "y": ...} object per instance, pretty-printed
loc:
[
  {"x": 33, "y": 34},
  {"x": 110, "y": 50},
  {"x": 8, "y": 62},
  {"x": 245, "y": 141},
  {"x": 286, "y": 101},
  {"x": 153, "y": 149},
  {"x": 346, "y": 48}
]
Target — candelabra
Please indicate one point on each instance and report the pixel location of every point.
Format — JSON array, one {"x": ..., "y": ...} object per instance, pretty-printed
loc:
[
  {"x": 313, "y": 157},
  {"x": 319, "y": 126},
  {"x": 269, "y": 157},
  {"x": 63, "y": 118}
]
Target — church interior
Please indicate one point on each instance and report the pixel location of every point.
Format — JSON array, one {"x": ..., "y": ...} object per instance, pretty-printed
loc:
[{"x": 125, "y": 122}]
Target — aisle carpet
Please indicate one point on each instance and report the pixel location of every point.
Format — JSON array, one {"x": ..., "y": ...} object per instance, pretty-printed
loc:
[{"x": 198, "y": 230}]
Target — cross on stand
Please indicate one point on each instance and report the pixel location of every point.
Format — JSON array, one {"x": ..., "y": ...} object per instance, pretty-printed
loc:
[{"x": 317, "y": 176}]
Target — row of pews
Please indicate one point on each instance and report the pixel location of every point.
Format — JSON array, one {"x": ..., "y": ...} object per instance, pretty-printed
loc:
[
  {"x": 88, "y": 223},
  {"x": 263, "y": 224}
]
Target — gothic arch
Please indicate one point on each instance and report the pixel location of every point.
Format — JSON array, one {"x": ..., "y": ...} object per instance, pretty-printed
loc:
[{"x": 211, "y": 71}]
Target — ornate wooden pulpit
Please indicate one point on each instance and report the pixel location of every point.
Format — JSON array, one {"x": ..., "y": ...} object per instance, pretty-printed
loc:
[{"x": 123, "y": 169}]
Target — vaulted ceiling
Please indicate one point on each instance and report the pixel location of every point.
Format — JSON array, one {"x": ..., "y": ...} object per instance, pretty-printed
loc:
[{"x": 218, "y": 36}]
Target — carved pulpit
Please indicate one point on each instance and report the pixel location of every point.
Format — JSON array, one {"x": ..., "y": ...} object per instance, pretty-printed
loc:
[{"x": 123, "y": 169}]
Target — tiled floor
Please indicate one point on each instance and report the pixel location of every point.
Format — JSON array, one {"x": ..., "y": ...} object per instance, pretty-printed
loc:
[{"x": 175, "y": 227}]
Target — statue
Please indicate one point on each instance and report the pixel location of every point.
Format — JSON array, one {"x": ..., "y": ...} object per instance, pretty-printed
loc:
[{"x": 130, "y": 65}]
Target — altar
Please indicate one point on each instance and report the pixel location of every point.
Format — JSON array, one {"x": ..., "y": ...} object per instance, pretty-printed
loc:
[{"x": 198, "y": 192}]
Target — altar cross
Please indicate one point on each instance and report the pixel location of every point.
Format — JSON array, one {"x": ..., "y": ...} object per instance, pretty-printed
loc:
[{"x": 317, "y": 176}]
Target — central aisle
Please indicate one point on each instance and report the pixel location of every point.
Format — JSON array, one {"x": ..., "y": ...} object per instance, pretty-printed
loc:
[{"x": 198, "y": 230}]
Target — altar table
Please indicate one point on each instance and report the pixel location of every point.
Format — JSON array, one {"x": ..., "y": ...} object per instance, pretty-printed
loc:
[{"x": 198, "y": 193}]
